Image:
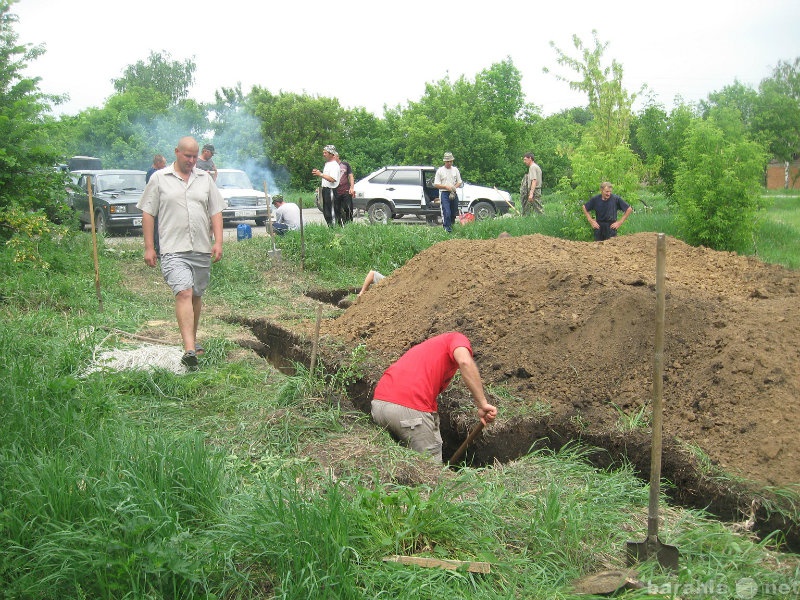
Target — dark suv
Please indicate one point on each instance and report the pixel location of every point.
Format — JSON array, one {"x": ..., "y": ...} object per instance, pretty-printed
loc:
[
  {"x": 115, "y": 194},
  {"x": 391, "y": 192}
]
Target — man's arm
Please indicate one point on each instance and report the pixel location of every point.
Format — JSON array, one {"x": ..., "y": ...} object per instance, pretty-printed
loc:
[
  {"x": 216, "y": 228},
  {"x": 592, "y": 222},
  {"x": 618, "y": 224},
  {"x": 469, "y": 373},
  {"x": 148, "y": 227}
]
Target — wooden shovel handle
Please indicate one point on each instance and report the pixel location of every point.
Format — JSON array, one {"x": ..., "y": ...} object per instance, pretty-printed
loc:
[{"x": 472, "y": 435}]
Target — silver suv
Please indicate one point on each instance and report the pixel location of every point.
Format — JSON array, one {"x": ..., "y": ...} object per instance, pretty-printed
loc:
[{"x": 391, "y": 192}]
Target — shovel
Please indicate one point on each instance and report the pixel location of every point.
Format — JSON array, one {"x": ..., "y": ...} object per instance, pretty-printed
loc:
[
  {"x": 472, "y": 435},
  {"x": 666, "y": 555},
  {"x": 275, "y": 252}
]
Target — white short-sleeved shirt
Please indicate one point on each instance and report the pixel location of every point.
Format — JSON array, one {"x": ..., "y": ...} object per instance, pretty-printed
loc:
[
  {"x": 184, "y": 209},
  {"x": 331, "y": 169}
]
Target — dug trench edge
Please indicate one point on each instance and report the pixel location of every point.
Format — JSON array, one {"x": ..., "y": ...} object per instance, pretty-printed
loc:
[{"x": 690, "y": 484}]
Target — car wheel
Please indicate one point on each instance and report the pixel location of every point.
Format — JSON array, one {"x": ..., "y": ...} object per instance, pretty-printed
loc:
[
  {"x": 483, "y": 210},
  {"x": 100, "y": 222},
  {"x": 379, "y": 212},
  {"x": 261, "y": 222}
]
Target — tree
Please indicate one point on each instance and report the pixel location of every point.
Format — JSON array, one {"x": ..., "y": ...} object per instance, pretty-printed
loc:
[
  {"x": 717, "y": 186},
  {"x": 295, "y": 129},
  {"x": 777, "y": 111},
  {"x": 609, "y": 101},
  {"x": 159, "y": 73},
  {"x": 29, "y": 184}
]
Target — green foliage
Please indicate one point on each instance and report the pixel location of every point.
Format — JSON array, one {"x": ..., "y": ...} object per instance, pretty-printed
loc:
[
  {"x": 171, "y": 78},
  {"x": 717, "y": 187},
  {"x": 28, "y": 180},
  {"x": 777, "y": 111}
]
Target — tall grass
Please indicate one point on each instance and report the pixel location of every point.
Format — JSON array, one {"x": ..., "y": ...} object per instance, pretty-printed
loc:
[{"x": 157, "y": 485}]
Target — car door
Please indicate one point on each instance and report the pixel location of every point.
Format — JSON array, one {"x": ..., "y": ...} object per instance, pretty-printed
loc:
[
  {"x": 81, "y": 198},
  {"x": 406, "y": 191}
]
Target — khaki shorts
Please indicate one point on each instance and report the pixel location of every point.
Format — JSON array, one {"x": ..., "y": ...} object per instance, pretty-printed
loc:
[
  {"x": 184, "y": 270},
  {"x": 413, "y": 428}
]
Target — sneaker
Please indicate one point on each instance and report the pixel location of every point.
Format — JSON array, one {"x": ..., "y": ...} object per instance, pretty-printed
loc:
[{"x": 189, "y": 360}]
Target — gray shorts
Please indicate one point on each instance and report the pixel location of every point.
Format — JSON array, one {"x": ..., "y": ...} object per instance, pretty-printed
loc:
[
  {"x": 413, "y": 428},
  {"x": 184, "y": 270}
]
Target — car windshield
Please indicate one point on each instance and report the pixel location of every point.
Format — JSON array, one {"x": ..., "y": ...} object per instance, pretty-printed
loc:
[
  {"x": 233, "y": 179},
  {"x": 119, "y": 182}
]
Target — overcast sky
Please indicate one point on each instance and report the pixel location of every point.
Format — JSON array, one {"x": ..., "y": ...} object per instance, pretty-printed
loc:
[{"x": 372, "y": 54}]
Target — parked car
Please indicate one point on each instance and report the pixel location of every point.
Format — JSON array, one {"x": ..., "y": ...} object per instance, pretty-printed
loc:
[
  {"x": 391, "y": 192},
  {"x": 242, "y": 201},
  {"x": 115, "y": 193}
]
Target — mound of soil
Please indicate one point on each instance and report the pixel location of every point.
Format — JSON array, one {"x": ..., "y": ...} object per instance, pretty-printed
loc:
[{"x": 568, "y": 327}]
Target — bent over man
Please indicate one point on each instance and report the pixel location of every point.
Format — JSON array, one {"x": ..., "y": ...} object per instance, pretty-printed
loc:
[{"x": 405, "y": 399}]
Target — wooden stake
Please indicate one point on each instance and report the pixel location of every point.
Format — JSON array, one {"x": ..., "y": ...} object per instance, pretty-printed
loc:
[
  {"x": 94, "y": 245},
  {"x": 315, "y": 347}
]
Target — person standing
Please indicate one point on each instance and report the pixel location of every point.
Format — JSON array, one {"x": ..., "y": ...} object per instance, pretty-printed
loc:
[
  {"x": 405, "y": 399},
  {"x": 447, "y": 181},
  {"x": 329, "y": 180},
  {"x": 530, "y": 192},
  {"x": 605, "y": 206},
  {"x": 343, "y": 196},
  {"x": 287, "y": 215},
  {"x": 188, "y": 205},
  {"x": 159, "y": 162},
  {"x": 205, "y": 161}
]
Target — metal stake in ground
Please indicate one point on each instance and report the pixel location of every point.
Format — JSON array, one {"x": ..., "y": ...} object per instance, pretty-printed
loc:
[{"x": 652, "y": 547}]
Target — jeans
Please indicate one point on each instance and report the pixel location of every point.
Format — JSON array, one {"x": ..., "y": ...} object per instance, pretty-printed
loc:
[{"x": 449, "y": 209}]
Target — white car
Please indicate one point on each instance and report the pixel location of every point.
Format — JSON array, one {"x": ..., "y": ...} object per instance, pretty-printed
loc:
[
  {"x": 242, "y": 201},
  {"x": 391, "y": 192}
]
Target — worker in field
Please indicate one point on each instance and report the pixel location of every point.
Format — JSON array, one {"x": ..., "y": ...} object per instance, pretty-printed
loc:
[{"x": 405, "y": 399}]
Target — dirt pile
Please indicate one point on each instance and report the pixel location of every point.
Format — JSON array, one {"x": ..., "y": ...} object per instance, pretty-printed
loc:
[{"x": 570, "y": 326}]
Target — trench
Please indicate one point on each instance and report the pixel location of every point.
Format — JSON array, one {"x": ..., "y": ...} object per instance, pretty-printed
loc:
[{"x": 689, "y": 485}]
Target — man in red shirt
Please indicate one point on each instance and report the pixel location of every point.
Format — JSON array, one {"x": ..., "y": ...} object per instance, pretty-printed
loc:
[{"x": 405, "y": 399}]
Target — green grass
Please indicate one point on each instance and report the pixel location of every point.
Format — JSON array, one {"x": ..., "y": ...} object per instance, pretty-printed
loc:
[{"x": 157, "y": 485}]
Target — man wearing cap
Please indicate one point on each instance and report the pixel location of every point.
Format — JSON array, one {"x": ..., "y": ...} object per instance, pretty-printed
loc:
[
  {"x": 447, "y": 181},
  {"x": 287, "y": 215},
  {"x": 205, "y": 162},
  {"x": 329, "y": 179}
]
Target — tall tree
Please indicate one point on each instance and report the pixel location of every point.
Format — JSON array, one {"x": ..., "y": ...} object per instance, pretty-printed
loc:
[
  {"x": 777, "y": 113},
  {"x": 28, "y": 180},
  {"x": 159, "y": 73}
]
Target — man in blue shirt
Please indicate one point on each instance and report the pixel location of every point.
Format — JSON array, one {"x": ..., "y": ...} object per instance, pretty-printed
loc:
[{"x": 605, "y": 206}]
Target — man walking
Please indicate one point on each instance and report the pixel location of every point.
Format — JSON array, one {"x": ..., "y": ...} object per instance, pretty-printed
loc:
[
  {"x": 530, "y": 192},
  {"x": 329, "y": 181},
  {"x": 405, "y": 400},
  {"x": 447, "y": 181},
  {"x": 188, "y": 205}
]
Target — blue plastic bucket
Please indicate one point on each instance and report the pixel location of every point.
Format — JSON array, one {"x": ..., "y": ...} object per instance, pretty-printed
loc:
[{"x": 243, "y": 232}]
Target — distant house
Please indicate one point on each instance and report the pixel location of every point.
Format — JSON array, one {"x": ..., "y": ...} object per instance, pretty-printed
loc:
[{"x": 779, "y": 177}]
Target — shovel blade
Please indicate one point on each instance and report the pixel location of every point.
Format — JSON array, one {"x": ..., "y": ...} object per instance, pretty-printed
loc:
[{"x": 666, "y": 555}]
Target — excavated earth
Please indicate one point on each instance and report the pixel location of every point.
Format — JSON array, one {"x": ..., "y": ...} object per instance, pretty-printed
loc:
[{"x": 564, "y": 333}]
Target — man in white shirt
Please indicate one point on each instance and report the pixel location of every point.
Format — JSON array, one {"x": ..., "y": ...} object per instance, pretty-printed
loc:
[
  {"x": 287, "y": 215},
  {"x": 447, "y": 181},
  {"x": 329, "y": 179}
]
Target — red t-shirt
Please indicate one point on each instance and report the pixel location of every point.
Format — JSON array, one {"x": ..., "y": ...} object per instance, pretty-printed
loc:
[{"x": 422, "y": 373}]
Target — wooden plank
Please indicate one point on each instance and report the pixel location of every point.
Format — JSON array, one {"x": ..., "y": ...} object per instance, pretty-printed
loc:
[{"x": 436, "y": 563}]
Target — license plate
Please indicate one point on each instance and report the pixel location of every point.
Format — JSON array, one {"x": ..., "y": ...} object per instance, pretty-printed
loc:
[
  {"x": 137, "y": 222},
  {"x": 245, "y": 213}
]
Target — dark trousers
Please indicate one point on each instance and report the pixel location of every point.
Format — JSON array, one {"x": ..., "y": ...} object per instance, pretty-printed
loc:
[
  {"x": 343, "y": 208},
  {"x": 327, "y": 205},
  {"x": 449, "y": 209},
  {"x": 605, "y": 232}
]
